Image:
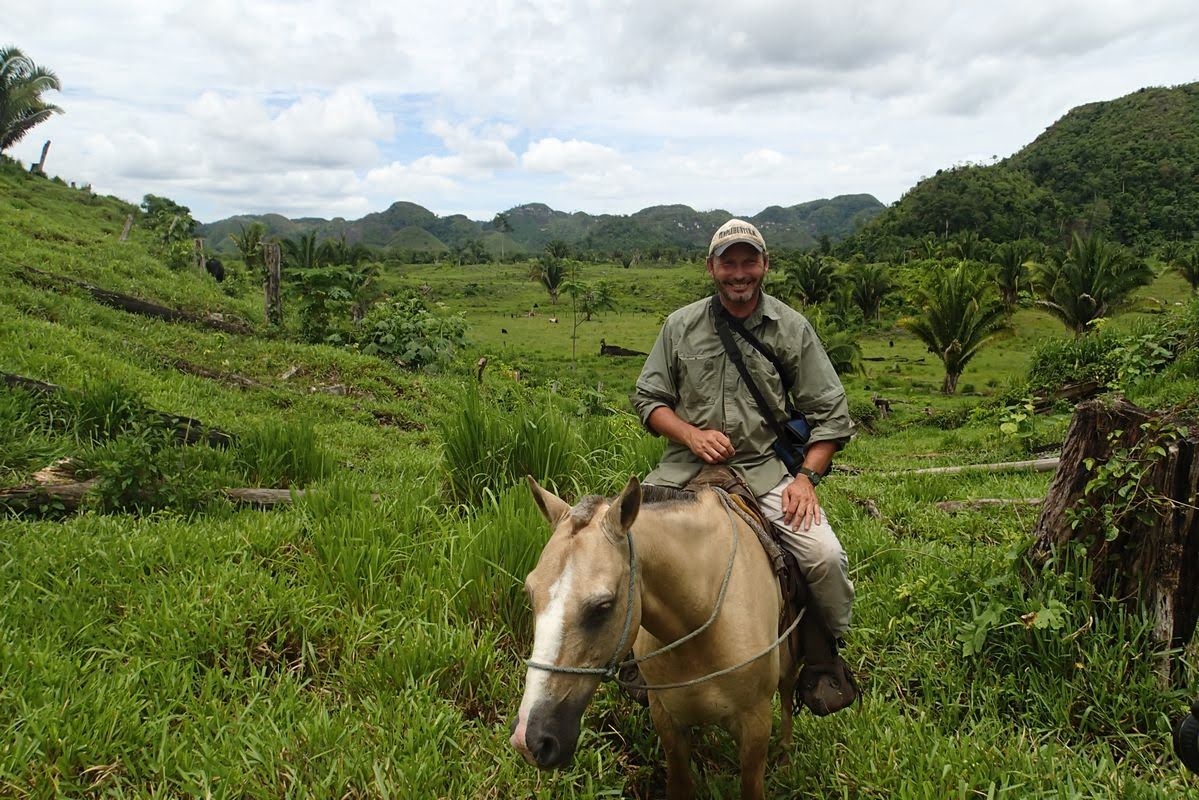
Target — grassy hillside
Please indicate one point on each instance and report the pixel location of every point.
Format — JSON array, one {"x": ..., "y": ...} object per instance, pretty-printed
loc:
[
  {"x": 1125, "y": 167},
  {"x": 371, "y": 647}
]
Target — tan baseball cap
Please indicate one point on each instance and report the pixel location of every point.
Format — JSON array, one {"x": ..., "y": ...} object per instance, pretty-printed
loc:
[{"x": 732, "y": 232}]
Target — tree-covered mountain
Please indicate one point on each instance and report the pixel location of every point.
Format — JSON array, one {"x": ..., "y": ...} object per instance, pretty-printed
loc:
[
  {"x": 1128, "y": 168},
  {"x": 409, "y": 227}
]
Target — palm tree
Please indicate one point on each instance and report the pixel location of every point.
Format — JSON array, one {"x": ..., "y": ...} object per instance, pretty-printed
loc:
[
  {"x": 967, "y": 246},
  {"x": 557, "y": 249},
  {"x": 959, "y": 317},
  {"x": 811, "y": 278},
  {"x": 843, "y": 351},
  {"x": 1011, "y": 271},
  {"x": 1186, "y": 264},
  {"x": 869, "y": 283},
  {"x": 21, "y": 106},
  {"x": 1095, "y": 278},
  {"x": 249, "y": 243},
  {"x": 552, "y": 273},
  {"x": 302, "y": 253}
]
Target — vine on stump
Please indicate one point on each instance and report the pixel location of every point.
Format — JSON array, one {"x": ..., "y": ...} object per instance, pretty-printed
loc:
[{"x": 1125, "y": 497}]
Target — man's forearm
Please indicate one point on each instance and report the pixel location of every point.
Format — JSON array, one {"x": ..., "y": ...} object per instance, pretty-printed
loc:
[
  {"x": 664, "y": 422},
  {"x": 819, "y": 455}
]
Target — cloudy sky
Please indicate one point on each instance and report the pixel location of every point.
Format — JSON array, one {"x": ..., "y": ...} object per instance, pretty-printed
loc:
[{"x": 340, "y": 108}]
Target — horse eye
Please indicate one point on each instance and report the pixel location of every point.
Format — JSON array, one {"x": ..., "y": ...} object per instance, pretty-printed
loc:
[{"x": 598, "y": 613}]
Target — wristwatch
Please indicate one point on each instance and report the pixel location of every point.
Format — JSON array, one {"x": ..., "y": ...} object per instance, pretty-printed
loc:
[{"x": 811, "y": 475}]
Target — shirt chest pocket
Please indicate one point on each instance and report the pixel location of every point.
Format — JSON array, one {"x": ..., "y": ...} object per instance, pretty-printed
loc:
[
  {"x": 770, "y": 384},
  {"x": 699, "y": 386}
]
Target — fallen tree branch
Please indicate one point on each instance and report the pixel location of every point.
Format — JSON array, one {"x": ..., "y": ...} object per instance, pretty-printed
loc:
[
  {"x": 136, "y": 305},
  {"x": 1036, "y": 465},
  {"x": 987, "y": 502},
  {"x": 231, "y": 378}
]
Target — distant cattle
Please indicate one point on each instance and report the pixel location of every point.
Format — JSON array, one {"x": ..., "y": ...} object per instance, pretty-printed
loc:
[{"x": 215, "y": 268}]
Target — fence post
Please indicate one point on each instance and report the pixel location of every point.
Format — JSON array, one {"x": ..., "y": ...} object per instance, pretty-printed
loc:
[
  {"x": 128, "y": 225},
  {"x": 39, "y": 167},
  {"x": 274, "y": 303}
]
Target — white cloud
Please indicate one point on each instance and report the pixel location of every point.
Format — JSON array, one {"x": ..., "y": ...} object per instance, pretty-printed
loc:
[
  {"x": 554, "y": 155},
  {"x": 231, "y": 105}
]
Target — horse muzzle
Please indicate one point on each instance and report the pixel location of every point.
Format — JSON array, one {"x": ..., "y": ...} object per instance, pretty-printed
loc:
[{"x": 548, "y": 737}]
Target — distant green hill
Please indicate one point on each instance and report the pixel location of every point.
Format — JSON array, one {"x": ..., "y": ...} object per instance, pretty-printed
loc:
[
  {"x": 529, "y": 227},
  {"x": 1128, "y": 167}
]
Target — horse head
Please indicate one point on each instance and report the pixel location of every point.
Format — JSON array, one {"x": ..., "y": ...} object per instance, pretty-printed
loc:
[{"x": 580, "y": 595}]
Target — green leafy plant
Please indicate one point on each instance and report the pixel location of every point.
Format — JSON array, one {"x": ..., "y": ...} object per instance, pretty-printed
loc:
[{"x": 412, "y": 333}]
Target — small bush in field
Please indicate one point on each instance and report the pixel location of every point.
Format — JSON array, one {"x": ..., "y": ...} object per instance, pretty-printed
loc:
[
  {"x": 411, "y": 333},
  {"x": 145, "y": 469}
]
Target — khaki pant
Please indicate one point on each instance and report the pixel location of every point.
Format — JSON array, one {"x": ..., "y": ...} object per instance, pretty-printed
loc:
[{"x": 821, "y": 558}]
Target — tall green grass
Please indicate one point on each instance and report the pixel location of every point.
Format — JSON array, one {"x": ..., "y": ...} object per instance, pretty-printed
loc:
[{"x": 282, "y": 453}]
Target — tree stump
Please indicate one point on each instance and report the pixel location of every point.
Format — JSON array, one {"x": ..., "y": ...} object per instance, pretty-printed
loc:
[{"x": 1126, "y": 493}]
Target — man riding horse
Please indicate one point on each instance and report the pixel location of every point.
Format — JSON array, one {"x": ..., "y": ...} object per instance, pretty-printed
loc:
[{"x": 692, "y": 392}]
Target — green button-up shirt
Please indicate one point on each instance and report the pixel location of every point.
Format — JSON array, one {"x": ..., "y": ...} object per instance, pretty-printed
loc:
[{"x": 689, "y": 371}]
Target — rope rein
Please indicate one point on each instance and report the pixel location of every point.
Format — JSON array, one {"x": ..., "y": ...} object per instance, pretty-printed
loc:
[{"x": 608, "y": 672}]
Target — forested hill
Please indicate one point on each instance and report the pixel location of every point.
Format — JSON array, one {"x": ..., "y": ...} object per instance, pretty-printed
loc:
[
  {"x": 1128, "y": 167},
  {"x": 413, "y": 228}
]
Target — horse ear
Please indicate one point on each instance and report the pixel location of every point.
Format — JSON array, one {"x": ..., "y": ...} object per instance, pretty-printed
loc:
[
  {"x": 553, "y": 508},
  {"x": 623, "y": 511}
]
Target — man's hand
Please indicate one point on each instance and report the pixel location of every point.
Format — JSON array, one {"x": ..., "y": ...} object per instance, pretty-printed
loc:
[
  {"x": 712, "y": 446},
  {"x": 801, "y": 510}
]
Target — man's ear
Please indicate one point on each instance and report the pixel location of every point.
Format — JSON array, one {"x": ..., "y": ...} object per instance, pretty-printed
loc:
[
  {"x": 553, "y": 508},
  {"x": 623, "y": 511}
]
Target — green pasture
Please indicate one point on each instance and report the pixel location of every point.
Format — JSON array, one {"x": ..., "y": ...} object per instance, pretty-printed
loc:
[{"x": 367, "y": 640}]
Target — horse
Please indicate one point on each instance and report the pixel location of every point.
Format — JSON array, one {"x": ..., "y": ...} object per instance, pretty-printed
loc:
[{"x": 662, "y": 570}]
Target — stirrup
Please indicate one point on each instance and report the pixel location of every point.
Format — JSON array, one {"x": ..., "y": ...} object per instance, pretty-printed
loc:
[{"x": 826, "y": 688}]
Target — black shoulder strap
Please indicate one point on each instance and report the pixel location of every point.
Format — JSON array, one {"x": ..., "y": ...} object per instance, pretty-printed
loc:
[
  {"x": 742, "y": 331},
  {"x": 730, "y": 346}
]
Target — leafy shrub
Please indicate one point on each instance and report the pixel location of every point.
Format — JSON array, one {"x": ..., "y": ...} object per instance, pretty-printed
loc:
[
  {"x": 863, "y": 411},
  {"x": 282, "y": 454},
  {"x": 323, "y": 295},
  {"x": 1073, "y": 360},
  {"x": 144, "y": 470},
  {"x": 410, "y": 332}
]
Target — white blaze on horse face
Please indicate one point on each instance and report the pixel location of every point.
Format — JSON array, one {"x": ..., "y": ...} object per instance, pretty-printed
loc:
[{"x": 548, "y": 633}]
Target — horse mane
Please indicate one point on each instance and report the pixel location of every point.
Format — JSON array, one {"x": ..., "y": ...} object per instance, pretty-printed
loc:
[{"x": 654, "y": 494}]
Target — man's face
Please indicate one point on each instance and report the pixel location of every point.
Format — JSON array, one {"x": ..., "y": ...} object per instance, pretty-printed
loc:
[{"x": 738, "y": 273}]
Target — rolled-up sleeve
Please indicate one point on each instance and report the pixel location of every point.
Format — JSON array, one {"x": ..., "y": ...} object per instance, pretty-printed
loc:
[
  {"x": 656, "y": 386},
  {"x": 818, "y": 392}
]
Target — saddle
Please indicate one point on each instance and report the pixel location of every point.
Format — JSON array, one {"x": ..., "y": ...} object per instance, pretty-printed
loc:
[{"x": 826, "y": 683}]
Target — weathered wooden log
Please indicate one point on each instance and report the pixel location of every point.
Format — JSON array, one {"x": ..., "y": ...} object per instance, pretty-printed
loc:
[
  {"x": 1073, "y": 392},
  {"x": 38, "y": 497},
  {"x": 136, "y": 305},
  {"x": 185, "y": 429},
  {"x": 70, "y": 496},
  {"x": 987, "y": 502},
  {"x": 1036, "y": 465},
  {"x": 1127, "y": 491},
  {"x": 230, "y": 378},
  {"x": 263, "y": 498}
]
